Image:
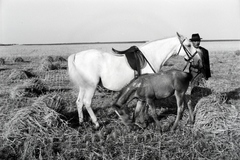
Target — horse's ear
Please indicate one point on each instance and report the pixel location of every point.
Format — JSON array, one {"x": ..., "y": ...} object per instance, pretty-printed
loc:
[{"x": 180, "y": 37}]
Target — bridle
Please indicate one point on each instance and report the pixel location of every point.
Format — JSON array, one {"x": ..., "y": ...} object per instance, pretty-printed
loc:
[
  {"x": 190, "y": 56},
  {"x": 189, "y": 60}
]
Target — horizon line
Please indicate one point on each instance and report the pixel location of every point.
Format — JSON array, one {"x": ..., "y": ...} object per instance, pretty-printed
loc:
[{"x": 105, "y": 42}]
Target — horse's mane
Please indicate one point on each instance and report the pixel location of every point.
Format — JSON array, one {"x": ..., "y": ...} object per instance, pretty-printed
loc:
[{"x": 160, "y": 39}]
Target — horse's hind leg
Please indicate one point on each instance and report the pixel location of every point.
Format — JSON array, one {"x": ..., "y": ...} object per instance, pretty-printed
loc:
[
  {"x": 87, "y": 103},
  {"x": 180, "y": 106},
  {"x": 79, "y": 103}
]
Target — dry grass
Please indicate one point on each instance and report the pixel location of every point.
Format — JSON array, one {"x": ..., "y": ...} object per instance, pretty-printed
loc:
[
  {"x": 2, "y": 61},
  {"x": 17, "y": 74},
  {"x": 60, "y": 58},
  {"x": 48, "y": 58},
  {"x": 18, "y": 59},
  {"x": 45, "y": 125},
  {"x": 53, "y": 101},
  {"x": 237, "y": 52},
  {"x": 30, "y": 88},
  {"x": 36, "y": 132},
  {"x": 213, "y": 115},
  {"x": 47, "y": 64}
]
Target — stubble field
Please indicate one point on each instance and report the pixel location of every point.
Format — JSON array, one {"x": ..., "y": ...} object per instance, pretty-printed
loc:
[{"x": 40, "y": 121}]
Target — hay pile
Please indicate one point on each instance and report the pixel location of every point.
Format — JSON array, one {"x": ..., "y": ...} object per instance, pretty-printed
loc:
[
  {"x": 217, "y": 128},
  {"x": 47, "y": 64},
  {"x": 213, "y": 115},
  {"x": 36, "y": 132},
  {"x": 18, "y": 59},
  {"x": 237, "y": 52},
  {"x": 30, "y": 88},
  {"x": 53, "y": 101},
  {"x": 2, "y": 61},
  {"x": 48, "y": 58},
  {"x": 20, "y": 74},
  {"x": 57, "y": 65},
  {"x": 61, "y": 59}
]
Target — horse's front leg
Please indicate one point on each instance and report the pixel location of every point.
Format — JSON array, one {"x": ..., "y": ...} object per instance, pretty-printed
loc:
[{"x": 79, "y": 104}]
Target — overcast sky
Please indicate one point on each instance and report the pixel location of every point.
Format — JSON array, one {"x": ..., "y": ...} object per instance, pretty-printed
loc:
[{"x": 69, "y": 21}]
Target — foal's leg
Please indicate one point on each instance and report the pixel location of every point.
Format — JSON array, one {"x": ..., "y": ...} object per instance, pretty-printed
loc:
[
  {"x": 153, "y": 112},
  {"x": 87, "y": 103},
  {"x": 139, "y": 110},
  {"x": 189, "y": 110},
  {"x": 141, "y": 114},
  {"x": 180, "y": 106}
]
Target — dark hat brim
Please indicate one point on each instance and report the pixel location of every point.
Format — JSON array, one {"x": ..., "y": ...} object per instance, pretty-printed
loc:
[{"x": 195, "y": 39}]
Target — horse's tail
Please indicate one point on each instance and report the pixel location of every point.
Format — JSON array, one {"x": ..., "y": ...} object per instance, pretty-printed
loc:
[{"x": 72, "y": 71}]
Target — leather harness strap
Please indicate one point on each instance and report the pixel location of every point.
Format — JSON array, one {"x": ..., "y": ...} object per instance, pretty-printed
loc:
[
  {"x": 133, "y": 54},
  {"x": 149, "y": 63},
  {"x": 190, "y": 56}
]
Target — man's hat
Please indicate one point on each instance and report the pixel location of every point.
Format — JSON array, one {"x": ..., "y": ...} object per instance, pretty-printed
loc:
[{"x": 195, "y": 37}]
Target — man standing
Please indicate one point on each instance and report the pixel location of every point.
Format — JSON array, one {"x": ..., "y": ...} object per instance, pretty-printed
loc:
[
  {"x": 204, "y": 69},
  {"x": 203, "y": 53}
]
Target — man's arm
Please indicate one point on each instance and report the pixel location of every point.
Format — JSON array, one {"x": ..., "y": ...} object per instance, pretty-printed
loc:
[{"x": 206, "y": 63}]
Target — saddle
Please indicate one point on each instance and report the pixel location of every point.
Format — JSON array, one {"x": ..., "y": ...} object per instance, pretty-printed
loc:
[{"x": 134, "y": 57}]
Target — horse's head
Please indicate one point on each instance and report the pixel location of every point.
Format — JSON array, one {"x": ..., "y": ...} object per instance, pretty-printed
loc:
[
  {"x": 196, "y": 67},
  {"x": 186, "y": 48}
]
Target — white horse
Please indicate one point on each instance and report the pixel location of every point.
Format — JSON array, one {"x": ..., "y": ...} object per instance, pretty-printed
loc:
[{"x": 87, "y": 68}]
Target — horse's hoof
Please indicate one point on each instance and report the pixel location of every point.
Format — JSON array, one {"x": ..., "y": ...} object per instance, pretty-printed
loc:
[
  {"x": 81, "y": 123},
  {"x": 80, "y": 120},
  {"x": 97, "y": 126}
]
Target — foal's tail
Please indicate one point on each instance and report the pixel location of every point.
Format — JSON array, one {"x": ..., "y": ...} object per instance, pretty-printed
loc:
[{"x": 72, "y": 71}]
